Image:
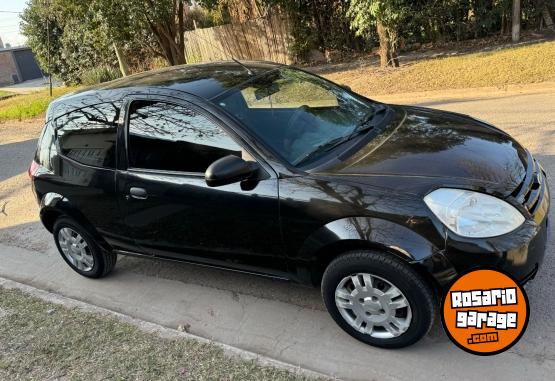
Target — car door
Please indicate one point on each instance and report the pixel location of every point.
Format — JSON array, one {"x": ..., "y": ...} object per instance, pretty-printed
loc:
[
  {"x": 169, "y": 209},
  {"x": 85, "y": 157}
]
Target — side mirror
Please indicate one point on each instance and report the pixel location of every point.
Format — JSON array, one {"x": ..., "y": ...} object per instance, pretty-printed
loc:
[{"x": 228, "y": 170}]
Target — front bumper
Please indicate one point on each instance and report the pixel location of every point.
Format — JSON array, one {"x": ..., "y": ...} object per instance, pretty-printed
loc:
[{"x": 519, "y": 253}]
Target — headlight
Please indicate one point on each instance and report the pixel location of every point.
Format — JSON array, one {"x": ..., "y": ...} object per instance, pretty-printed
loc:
[{"x": 473, "y": 214}]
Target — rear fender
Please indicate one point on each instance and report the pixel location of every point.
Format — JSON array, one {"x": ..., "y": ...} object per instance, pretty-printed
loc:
[{"x": 54, "y": 205}]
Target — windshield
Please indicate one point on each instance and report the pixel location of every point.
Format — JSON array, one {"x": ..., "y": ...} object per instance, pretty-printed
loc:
[{"x": 299, "y": 115}]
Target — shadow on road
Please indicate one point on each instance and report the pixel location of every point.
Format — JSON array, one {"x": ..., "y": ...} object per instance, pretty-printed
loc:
[{"x": 17, "y": 156}]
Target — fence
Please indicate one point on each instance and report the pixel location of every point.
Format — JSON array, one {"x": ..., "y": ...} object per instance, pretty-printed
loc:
[{"x": 266, "y": 39}]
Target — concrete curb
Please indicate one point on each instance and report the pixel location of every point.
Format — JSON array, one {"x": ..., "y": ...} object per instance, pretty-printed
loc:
[{"x": 161, "y": 331}]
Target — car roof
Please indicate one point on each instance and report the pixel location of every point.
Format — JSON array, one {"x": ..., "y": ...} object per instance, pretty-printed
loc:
[{"x": 205, "y": 80}]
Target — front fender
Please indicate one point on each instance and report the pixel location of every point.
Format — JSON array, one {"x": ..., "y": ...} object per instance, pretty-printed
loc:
[{"x": 384, "y": 235}]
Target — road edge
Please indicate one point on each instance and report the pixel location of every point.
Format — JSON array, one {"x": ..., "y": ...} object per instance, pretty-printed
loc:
[{"x": 157, "y": 329}]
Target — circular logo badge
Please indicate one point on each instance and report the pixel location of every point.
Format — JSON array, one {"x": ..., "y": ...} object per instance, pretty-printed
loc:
[{"x": 485, "y": 312}]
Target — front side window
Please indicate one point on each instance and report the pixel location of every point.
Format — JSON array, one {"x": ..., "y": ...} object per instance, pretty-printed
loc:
[
  {"x": 298, "y": 114},
  {"x": 88, "y": 135},
  {"x": 172, "y": 137}
]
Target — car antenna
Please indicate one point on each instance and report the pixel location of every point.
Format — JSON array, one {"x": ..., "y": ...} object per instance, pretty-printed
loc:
[
  {"x": 243, "y": 65},
  {"x": 249, "y": 71}
]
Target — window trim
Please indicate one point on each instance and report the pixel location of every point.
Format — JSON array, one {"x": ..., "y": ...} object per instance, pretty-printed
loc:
[
  {"x": 183, "y": 103},
  {"x": 57, "y": 140}
]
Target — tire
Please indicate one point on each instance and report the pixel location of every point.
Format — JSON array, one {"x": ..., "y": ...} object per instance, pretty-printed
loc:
[
  {"x": 103, "y": 261},
  {"x": 383, "y": 270}
]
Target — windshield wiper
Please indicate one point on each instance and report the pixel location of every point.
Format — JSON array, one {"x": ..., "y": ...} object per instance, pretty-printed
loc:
[
  {"x": 368, "y": 122},
  {"x": 325, "y": 147},
  {"x": 365, "y": 125}
]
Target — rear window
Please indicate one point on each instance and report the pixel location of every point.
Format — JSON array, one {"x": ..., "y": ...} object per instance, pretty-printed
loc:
[
  {"x": 88, "y": 135},
  {"x": 46, "y": 151}
]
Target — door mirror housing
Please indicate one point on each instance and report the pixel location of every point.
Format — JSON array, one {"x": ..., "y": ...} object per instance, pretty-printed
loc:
[{"x": 228, "y": 170}]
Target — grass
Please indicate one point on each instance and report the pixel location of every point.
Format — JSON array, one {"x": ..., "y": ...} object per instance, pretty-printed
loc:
[
  {"x": 27, "y": 106},
  {"x": 40, "y": 340},
  {"x": 499, "y": 68},
  {"x": 4, "y": 94}
]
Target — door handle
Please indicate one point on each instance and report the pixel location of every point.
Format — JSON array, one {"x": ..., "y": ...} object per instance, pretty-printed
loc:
[{"x": 138, "y": 193}]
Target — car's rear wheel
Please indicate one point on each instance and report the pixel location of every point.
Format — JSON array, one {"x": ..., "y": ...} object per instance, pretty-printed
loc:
[
  {"x": 80, "y": 251},
  {"x": 378, "y": 299}
]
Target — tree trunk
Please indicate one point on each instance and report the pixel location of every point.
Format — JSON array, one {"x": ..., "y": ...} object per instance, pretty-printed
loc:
[
  {"x": 123, "y": 66},
  {"x": 393, "y": 48},
  {"x": 318, "y": 26},
  {"x": 547, "y": 17},
  {"x": 181, "y": 30},
  {"x": 516, "y": 21},
  {"x": 384, "y": 44},
  {"x": 388, "y": 45},
  {"x": 170, "y": 34}
]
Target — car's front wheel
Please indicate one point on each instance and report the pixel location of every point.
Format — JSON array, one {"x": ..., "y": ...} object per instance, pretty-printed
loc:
[
  {"x": 378, "y": 299},
  {"x": 80, "y": 251}
]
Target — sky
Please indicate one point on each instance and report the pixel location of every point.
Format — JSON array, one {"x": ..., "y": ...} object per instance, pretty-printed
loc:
[{"x": 9, "y": 22}]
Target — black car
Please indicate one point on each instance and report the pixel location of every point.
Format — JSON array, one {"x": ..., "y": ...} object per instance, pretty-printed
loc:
[{"x": 270, "y": 170}]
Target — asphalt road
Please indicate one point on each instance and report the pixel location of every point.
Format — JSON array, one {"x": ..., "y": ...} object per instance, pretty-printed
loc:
[{"x": 275, "y": 318}]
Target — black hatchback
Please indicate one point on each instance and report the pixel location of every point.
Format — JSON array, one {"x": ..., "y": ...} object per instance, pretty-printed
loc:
[{"x": 267, "y": 169}]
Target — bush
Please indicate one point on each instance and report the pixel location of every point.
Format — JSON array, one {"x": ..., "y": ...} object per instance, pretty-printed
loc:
[{"x": 99, "y": 74}]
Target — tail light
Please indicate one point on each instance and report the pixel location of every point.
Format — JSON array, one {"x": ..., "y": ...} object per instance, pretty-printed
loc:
[{"x": 33, "y": 168}]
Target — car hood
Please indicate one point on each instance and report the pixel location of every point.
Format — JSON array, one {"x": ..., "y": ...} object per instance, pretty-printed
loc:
[{"x": 452, "y": 149}]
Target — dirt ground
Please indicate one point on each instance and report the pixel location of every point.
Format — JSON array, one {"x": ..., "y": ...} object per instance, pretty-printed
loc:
[{"x": 18, "y": 206}]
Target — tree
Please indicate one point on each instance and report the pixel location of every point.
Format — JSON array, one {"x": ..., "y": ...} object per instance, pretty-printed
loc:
[
  {"x": 165, "y": 18},
  {"x": 73, "y": 44},
  {"x": 386, "y": 16},
  {"x": 156, "y": 25},
  {"x": 86, "y": 34}
]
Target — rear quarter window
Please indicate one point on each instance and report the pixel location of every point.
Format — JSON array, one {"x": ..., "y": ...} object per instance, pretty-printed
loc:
[
  {"x": 88, "y": 135},
  {"x": 46, "y": 148}
]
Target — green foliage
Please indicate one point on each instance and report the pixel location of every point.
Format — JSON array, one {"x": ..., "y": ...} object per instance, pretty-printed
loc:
[
  {"x": 203, "y": 18},
  {"x": 99, "y": 74},
  {"x": 330, "y": 24},
  {"x": 318, "y": 24},
  {"x": 83, "y": 33},
  {"x": 365, "y": 13},
  {"x": 36, "y": 28},
  {"x": 77, "y": 42}
]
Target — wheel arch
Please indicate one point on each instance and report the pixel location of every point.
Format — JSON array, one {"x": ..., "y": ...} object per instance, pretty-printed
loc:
[
  {"x": 368, "y": 233},
  {"x": 54, "y": 205}
]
